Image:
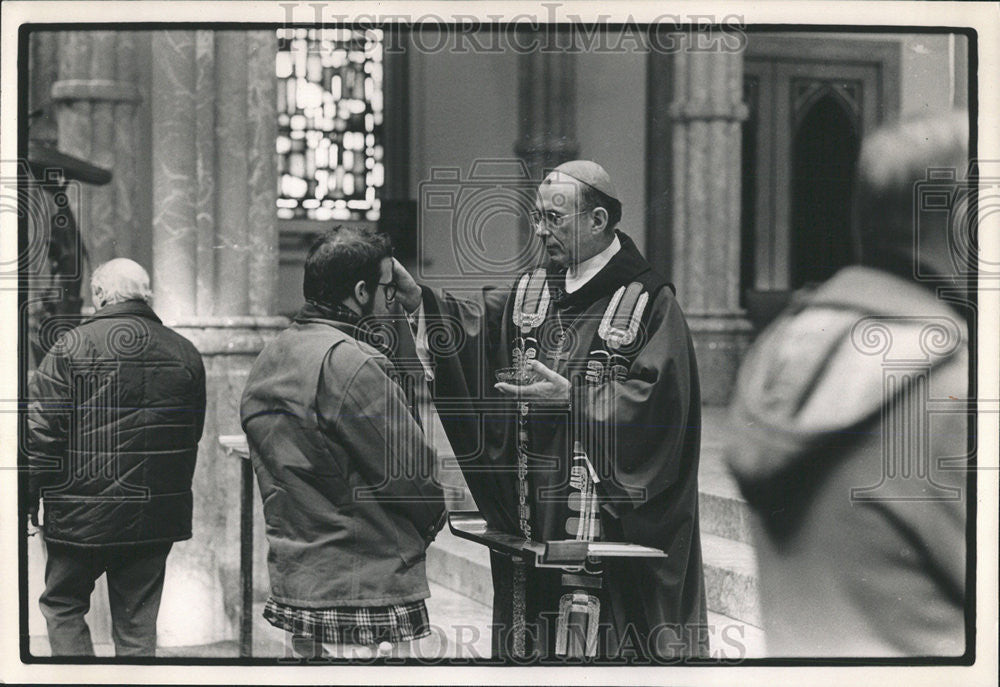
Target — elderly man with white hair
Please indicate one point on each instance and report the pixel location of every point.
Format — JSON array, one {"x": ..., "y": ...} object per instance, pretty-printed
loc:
[{"x": 115, "y": 413}]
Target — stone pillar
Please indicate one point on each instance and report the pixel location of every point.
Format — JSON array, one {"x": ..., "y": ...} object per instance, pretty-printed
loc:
[
  {"x": 215, "y": 260},
  {"x": 214, "y": 183},
  {"x": 705, "y": 116},
  {"x": 180, "y": 174},
  {"x": 44, "y": 70},
  {"x": 95, "y": 100},
  {"x": 547, "y": 121},
  {"x": 546, "y": 110}
]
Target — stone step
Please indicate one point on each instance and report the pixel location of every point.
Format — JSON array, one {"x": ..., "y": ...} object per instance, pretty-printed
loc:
[
  {"x": 721, "y": 508},
  {"x": 462, "y": 566},
  {"x": 731, "y": 578},
  {"x": 730, "y": 573}
]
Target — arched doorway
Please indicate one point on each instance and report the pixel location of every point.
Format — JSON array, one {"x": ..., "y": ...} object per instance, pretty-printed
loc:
[
  {"x": 810, "y": 102},
  {"x": 824, "y": 154}
]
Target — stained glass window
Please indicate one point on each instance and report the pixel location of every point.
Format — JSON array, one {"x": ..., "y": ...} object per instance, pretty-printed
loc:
[{"x": 330, "y": 147}]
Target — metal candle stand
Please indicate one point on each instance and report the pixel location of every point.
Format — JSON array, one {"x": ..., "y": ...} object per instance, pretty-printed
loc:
[{"x": 236, "y": 445}]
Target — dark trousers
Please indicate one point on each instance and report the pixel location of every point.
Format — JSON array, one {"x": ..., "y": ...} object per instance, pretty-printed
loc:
[{"x": 135, "y": 584}]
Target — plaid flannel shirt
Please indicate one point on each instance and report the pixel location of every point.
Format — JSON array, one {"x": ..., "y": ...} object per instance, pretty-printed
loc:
[{"x": 352, "y": 625}]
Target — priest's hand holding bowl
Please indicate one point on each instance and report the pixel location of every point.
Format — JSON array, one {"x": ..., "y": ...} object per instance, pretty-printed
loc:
[{"x": 547, "y": 385}]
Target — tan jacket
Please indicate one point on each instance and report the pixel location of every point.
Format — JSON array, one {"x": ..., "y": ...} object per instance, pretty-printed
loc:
[{"x": 345, "y": 473}]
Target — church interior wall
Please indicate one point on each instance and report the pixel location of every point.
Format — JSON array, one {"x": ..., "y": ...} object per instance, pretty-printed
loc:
[
  {"x": 463, "y": 107},
  {"x": 933, "y": 75},
  {"x": 611, "y": 128},
  {"x": 933, "y": 81}
]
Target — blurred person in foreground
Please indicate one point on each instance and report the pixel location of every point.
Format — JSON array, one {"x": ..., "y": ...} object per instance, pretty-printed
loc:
[
  {"x": 860, "y": 516},
  {"x": 115, "y": 413},
  {"x": 345, "y": 472}
]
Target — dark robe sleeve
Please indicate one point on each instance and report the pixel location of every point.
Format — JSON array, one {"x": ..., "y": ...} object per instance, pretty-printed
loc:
[
  {"x": 642, "y": 433},
  {"x": 464, "y": 339}
]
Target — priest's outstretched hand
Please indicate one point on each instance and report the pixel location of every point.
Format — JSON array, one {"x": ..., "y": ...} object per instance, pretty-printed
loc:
[
  {"x": 551, "y": 387},
  {"x": 408, "y": 289}
]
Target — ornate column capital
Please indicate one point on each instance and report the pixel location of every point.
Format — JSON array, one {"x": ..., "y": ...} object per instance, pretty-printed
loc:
[
  {"x": 104, "y": 90},
  {"x": 228, "y": 336},
  {"x": 908, "y": 343},
  {"x": 706, "y": 109}
]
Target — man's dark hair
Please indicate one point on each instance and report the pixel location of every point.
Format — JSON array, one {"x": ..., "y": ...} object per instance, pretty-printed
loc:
[
  {"x": 340, "y": 258},
  {"x": 592, "y": 199}
]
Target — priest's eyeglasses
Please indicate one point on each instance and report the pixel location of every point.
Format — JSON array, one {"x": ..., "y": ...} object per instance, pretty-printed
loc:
[{"x": 551, "y": 218}]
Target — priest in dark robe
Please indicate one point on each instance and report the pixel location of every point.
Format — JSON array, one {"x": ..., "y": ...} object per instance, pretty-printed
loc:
[{"x": 591, "y": 433}]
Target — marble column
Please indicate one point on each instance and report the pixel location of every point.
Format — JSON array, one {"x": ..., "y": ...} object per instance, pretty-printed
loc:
[
  {"x": 546, "y": 114},
  {"x": 214, "y": 186},
  {"x": 215, "y": 260},
  {"x": 95, "y": 98},
  {"x": 705, "y": 116},
  {"x": 547, "y": 122},
  {"x": 43, "y": 66}
]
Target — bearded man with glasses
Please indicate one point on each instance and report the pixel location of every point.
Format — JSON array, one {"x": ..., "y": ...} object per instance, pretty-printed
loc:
[{"x": 345, "y": 471}]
